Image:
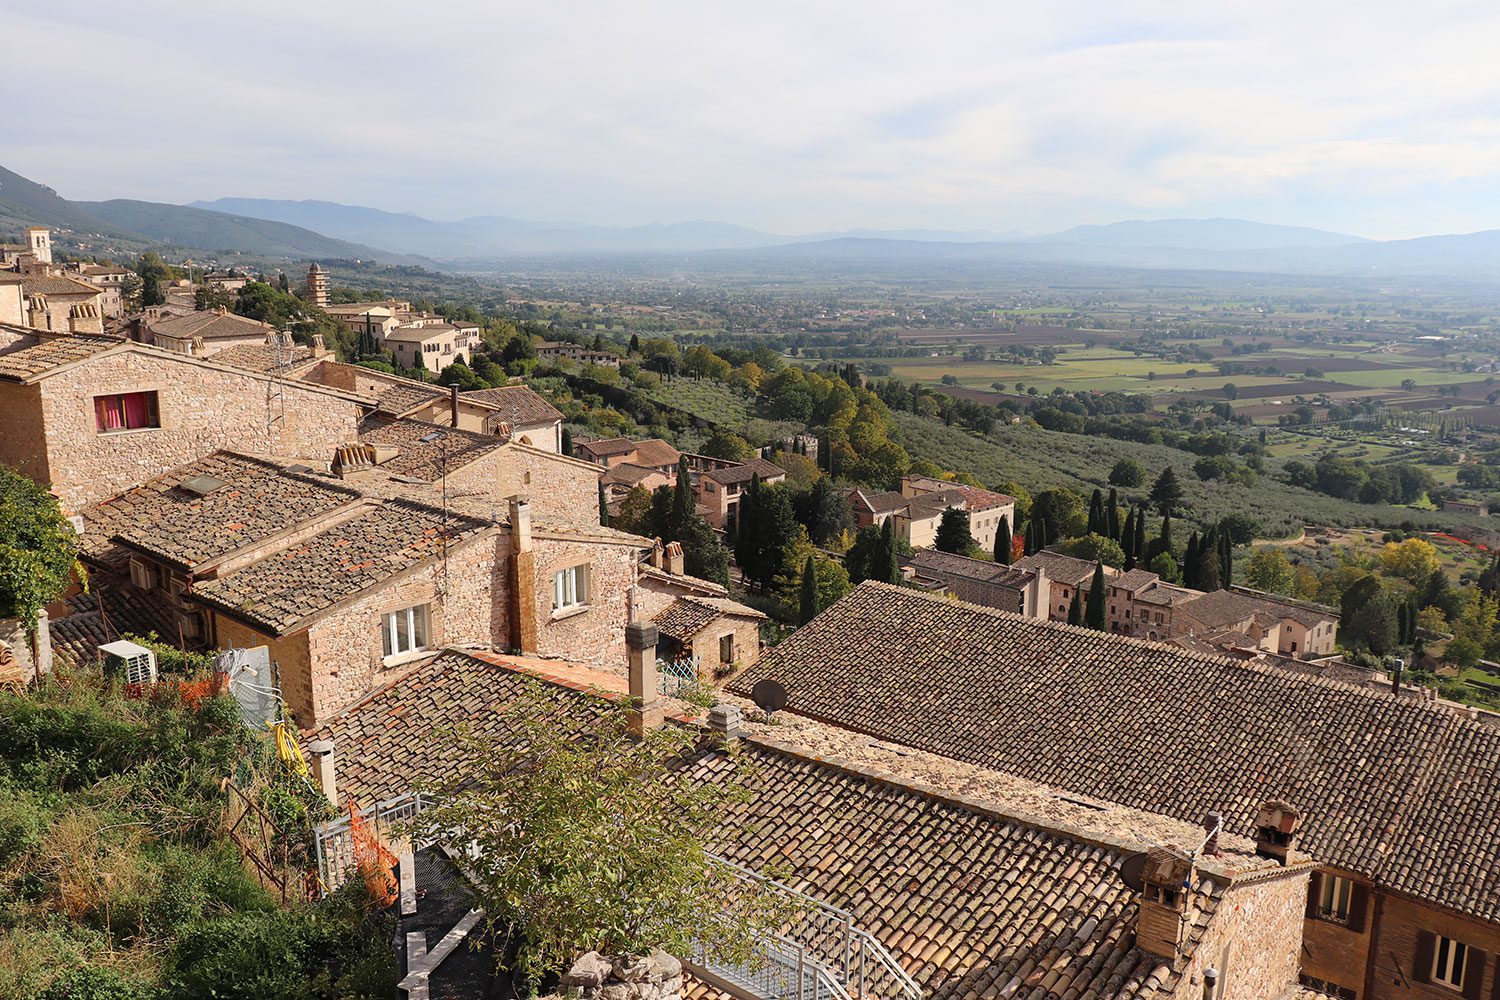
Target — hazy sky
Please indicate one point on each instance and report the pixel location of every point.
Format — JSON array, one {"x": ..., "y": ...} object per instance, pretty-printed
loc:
[{"x": 1377, "y": 118}]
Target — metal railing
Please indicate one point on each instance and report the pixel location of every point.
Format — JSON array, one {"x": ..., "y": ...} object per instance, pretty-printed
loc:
[{"x": 819, "y": 953}]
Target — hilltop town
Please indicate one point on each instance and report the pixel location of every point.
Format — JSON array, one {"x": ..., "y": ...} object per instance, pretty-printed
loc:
[{"x": 1000, "y": 735}]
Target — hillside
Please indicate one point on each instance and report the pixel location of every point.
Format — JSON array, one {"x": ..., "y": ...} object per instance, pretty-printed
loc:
[
  {"x": 1200, "y": 234},
  {"x": 25, "y": 203}
]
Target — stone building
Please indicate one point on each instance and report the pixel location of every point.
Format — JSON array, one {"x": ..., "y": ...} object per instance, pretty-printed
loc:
[
  {"x": 88, "y": 416},
  {"x": 203, "y": 334},
  {"x": 719, "y": 635},
  {"x": 1391, "y": 790},
  {"x": 1066, "y": 576},
  {"x": 993, "y": 585},
  {"x": 317, "y": 285},
  {"x": 998, "y": 890},
  {"x": 719, "y": 490},
  {"x": 37, "y": 297},
  {"x": 1265, "y": 622},
  {"x": 652, "y": 453},
  {"x": 531, "y": 418},
  {"x": 985, "y": 507},
  {"x": 917, "y": 510}
]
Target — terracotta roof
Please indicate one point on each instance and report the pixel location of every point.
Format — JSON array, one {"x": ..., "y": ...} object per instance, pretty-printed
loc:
[
  {"x": 109, "y": 611},
  {"x": 628, "y": 474},
  {"x": 284, "y": 590},
  {"x": 949, "y": 564},
  {"x": 404, "y": 396},
  {"x": 604, "y": 447},
  {"x": 655, "y": 451},
  {"x": 886, "y": 502},
  {"x": 1135, "y": 579},
  {"x": 1393, "y": 788},
  {"x": 971, "y": 901},
  {"x": 1058, "y": 567},
  {"x": 746, "y": 471},
  {"x": 692, "y": 584},
  {"x": 41, "y": 352},
  {"x": 1224, "y": 607},
  {"x": 50, "y": 284},
  {"x": 426, "y": 460},
  {"x": 518, "y": 404},
  {"x": 975, "y": 497},
  {"x": 1168, "y": 595},
  {"x": 262, "y": 357},
  {"x": 259, "y": 498},
  {"x": 687, "y": 616},
  {"x": 210, "y": 325}
]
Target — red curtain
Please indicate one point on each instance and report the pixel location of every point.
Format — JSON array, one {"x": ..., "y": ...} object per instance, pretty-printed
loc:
[
  {"x": 137, "y": 410},
  {"x": 109, "y": 413}
]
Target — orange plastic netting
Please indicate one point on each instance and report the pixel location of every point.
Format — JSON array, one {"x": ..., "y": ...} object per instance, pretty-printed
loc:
[{"x": 372, "y": 859}]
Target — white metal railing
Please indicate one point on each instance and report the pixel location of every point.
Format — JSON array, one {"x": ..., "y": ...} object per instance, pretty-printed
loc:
[{"x": 820, "y": 954}]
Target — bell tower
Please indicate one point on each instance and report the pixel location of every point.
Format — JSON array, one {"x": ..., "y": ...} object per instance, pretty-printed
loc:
[{"x": 317, "y": 286}]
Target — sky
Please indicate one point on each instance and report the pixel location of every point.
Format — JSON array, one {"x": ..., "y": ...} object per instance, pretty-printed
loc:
[{"x": 1376, "y": 118}]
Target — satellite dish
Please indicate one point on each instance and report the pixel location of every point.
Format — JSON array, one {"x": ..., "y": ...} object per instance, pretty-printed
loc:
[
  {"x": 769, "y": 695},
  {"x": 1133, "y": 872}
]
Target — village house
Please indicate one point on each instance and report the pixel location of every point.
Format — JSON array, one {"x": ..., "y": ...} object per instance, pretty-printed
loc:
[
  {"x": 89, "y": 416},
  {"x": 109, "y": 279},
  {"x": 997, "y": 889},
  {"x": 1066, "y": 576},
  {"x": 1142, "y": 604},
  {"x": 1466, "y": 507},
  {"x": 652, "y": 453},
  {"x": 202, "y": 334},
  {"x": 719, "y": 489},
  {"x": 433, "y": 345},
  {"x": 35, "y": 248},
  {"x": 551, "y": 350},
  {"x": 532, "y": 419},
  {"x": 1387, "y": 789},
  {"x": 985, "y": 507},
  {"x": 1244, "y": 618},
  {"x": 990, "y": 584}
]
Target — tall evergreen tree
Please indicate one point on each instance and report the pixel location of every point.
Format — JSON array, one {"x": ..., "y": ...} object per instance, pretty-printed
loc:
[
  {"x": 1003, "y": 542},
  {"x": 1127, "y": 540},
  {"x": 747, "y": 526},
  {"x": 684, "y": 504},
  {"x": 1075, "y": 609},
  {"x": 1190, "y": 562},
  {"x": 567, "y": 441},
  {"x": 1142, "y": 557},
  {"x": 1095, "y": 615},
  {"x": 1097, "y": 523},
  {"x": 953, "y": 534},
  {"x": 1226, "y": 559},
  {"x": 603, "y": 506},
  {"x": 890, "y": 555},
  {"x": 1166, "y": 492},
  {"x": 1207, "y": 576},
  {"x": 635, "y": 344},
  {"x": 1113, "y": 512},
  {"x": 808, "y": 603}
]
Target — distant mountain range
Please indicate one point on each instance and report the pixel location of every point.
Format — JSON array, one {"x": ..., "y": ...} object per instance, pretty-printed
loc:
[{"x": 324, "y": 230}]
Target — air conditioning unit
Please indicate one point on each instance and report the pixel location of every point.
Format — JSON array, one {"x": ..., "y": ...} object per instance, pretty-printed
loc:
[
  {"x": 135, "y": 664},
  {"x": 142, "y": 574}
]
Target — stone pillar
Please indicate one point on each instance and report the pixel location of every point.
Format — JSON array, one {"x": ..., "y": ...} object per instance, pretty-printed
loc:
[
  {"x": 321, "y": 752},
  {"x": 523, "y": 582},
  {"x": 645, "y": 697}
]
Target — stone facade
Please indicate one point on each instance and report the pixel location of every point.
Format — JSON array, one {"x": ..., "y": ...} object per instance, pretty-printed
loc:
[
  {"x": 657, "y": 976},
  {"x": 1254, "y": 940},
  {"x": 706, "y": 646},
  {"x": 201, "y": 409},
  {"x": 593, "y": 633},
  {"x": 562, "y": 490}
]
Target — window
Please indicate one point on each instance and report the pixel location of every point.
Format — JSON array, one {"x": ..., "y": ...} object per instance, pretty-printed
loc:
[
  {"x": 142, "y": 574},
  {"x": 404, "y": 631},
  {"x": 126, "y": 411},
  {"x": 570, "y": 588},
  {"x": 1333, "y": 899},
  {"x": 1448, "y": 961},
  {"x": 726, "y": 648}
]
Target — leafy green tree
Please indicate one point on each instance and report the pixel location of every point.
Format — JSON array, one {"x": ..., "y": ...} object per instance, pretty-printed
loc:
[
  {"x": 1127, "y": 472},
  {"x": 1003, "y": 542},
  {"x": 1365, "y": 589},
  {"x": 1270, "y": 570},
  {"x": 1062, "y": 512},
  {"x": 1166, "y": 492},
  {"x": 38, "y": 548},
  {"x": 1095, "y": 548},
  {"x": 864, "y": 557},
  {"x": 703, "y": 555},
  {"x": 1164, "y": 566},
  {"x": 1095, "y": 617},
  {"x": 684, "y": 503},
  {"x": 729, "y": 446},
  {"x": 1373, "y": 625},
  {"x": 825, "y": 511},
  {"x": 597, "y": 852},
  {"x": 953, "y": 533},
  {"x": 767, "y": 526}
]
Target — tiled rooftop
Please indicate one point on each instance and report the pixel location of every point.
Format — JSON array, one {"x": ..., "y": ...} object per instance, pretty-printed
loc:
[
  {"x": 262, "y": 357},
  {"x": 972, "y": 901},
  {"x": 109, "y": 611},
  {"x": 687, "y": 616},
  {"x": 519, "y": 405},
  {"x": 1224, "y": 607},
  {"x": 1394, "y": 788},
  {"x": 258, "y": 499},
  {"x": 746, "y": 471},
  {"x": 950, "y": 564},
  {"x": 38, "y": 353},
  {"x": 282, "y": 591},
  {"x": 209, "y": 325},
  {"x": 1058, "y": 567},
  {"x": 426, "y": 460}
]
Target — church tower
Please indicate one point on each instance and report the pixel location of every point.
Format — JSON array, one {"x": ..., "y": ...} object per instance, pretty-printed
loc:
[
  {"x": 317, "y": 286},
  {"x": 39, "y": 242}
]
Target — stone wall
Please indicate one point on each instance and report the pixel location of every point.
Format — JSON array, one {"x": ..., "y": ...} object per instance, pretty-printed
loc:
[
  {"x": 594, "y": 635},
  {"x": 23, "y": 435},
  {"x": 1254, "y": 940},
  {"x": 202, "y": 409},
  {"x": 562, "y": 490},
  {"x": 657, "y": 976},
  {"x": 705, "y": 646}
]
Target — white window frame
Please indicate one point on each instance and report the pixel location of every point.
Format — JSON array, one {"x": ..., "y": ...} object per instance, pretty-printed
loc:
[
  {"x": 416, "y": 624},
  {"x": 570, "y": 589},
  {"x": 1448, "y": 960},
  {"x": 1335, "y": 895}
]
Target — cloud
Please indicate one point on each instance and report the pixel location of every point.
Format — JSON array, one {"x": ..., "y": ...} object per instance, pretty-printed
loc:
[{"x": 789, "y": 116}]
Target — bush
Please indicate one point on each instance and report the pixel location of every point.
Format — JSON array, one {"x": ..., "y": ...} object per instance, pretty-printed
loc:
[{"x": 94, "y": 982}]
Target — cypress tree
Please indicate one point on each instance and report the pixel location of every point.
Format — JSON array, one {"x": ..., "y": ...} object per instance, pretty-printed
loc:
[
  {"x": 889, "y": 568},
  {"x": 603, "y": 507},
  {"x": 1190, "y": 563},
  {"x": 1140, "y": 536},
  {"x": 1075, "y": 609},
  {"x": 1003, "y": 541},
  {"x": 1207, "y": 575},
  {"x": 567, "y": 441},
  {"x": 1127, "y": 540},
  {"x": 1113, "y": 513},
  {"x": 1095, "y": 617},
  {"x": 1097, "y": 524},
  {"x": 747, "y": 527},
  {"x": 809, "y": 598},
  {"x": 635, "y": 344},
  {"x": 684, "y": 506},
  {"x": 1226, "y": 559}
]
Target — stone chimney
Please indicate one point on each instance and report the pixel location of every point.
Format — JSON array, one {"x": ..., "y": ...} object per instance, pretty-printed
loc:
[
  {"x": 1276, "y": 826},
  {"x": 672, "y": 560},
  {"x": 321, "y": 752},
  {"x": 645, "y": 697},
  {"x": 453, "y": 403},
  {"x": 725, "y": 721},
  {"x": 522, "y": 601},
  {"x": 319, "y": 348},
  {"x": 198, "y": 349},
  {"x": 1163, "y": 905},
  {"x": 351, "y": 458},
  {"x": 657, "y": 556}
]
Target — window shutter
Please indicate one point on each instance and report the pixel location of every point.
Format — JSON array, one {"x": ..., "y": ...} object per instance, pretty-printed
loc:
[
  {"x": 1473, "y": 974},
  {"x": 1426, "y": 947},
  {"x": 1359, "y": 905},
  {"x": 1314, "y": 891}
]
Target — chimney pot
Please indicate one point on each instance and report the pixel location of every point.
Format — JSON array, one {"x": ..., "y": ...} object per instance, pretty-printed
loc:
[
  {"x": 645, "y": 698},
  {"x": 453, "y": 402},
  {"x": 1163, "y": 903},
  {"x": 725, "y": 720},
  {"x": 1276, "y": 826},
  {"x": 520, "y": 522}
]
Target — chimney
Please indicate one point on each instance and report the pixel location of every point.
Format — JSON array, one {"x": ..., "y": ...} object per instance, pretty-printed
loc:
[
  {"x": 350, "y": 458},
  {"x": 1163, "y": 906},
  {"x": 198, "y": 348},
  {"x": 453, "y": 402},
  {"x": 673, "y": 561},
  {"x": 319, "y": 348},
  {"x": 1276, "y": 826},
  {"x": 270, "y": 338},
  {"x": 523, "y": 583},
  {"x": 223, "y": 311},
  {"x": 321, "y": 752},
  {"x": 645, "y": 698},
  {"x": 724, "y": 721},
  {"x": 657, "y": 556}
]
